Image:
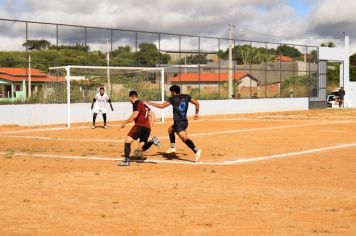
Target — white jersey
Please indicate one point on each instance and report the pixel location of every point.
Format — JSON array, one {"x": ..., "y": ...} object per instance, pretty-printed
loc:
[{"x": 101, "y": 101}]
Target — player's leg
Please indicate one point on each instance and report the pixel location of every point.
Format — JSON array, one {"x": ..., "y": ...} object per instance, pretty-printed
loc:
[
  {"x": 127, "y": 150},
  {"x": 104, "y": 118},
  {"x": 147, "y": 144},
  {"x": 172, "y": 139},
  {"x": 184, "y": 137},
  {"x": 131, "y": 137},
  {"x": 94, "y": 119}
]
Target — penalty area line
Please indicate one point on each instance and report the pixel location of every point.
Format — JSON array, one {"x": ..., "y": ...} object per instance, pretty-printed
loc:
[
  {"x": 237, "y": 161},
  {"x": 165, "y": 137}
]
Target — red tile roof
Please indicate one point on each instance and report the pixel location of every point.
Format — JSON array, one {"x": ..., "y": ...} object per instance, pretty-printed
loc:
[
  {"x": 284, "y": 59},
  {"x": 20, "y": 74},
  {"x": 208, "y": 77}
]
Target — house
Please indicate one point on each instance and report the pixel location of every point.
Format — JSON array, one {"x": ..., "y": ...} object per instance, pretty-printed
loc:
[
  {"x": 14, "y": 82},
  {"x": 212, "y": 83},
  {"x": 282, "y": 58}
]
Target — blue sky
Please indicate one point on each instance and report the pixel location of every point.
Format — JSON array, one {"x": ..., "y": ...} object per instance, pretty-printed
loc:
[{"x": 302, "y": 7}]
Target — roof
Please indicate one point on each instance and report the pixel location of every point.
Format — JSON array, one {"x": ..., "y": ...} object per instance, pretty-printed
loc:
[
  {"x": 284, "y": 58},
  {"x": 21, "y": 74},
  {"x": 208, "y": 77}
]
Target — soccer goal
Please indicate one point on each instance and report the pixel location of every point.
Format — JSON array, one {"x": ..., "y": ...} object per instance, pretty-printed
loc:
[{"x": 78, "y": 84}]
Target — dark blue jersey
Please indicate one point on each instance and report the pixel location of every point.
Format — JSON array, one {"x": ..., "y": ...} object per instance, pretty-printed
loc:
[{"x": 180, "y": 105}]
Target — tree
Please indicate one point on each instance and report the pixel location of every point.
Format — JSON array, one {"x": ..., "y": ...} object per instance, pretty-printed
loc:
[
  {"x": 300, "y": 84},
  {"x": 313, "y": 57},
  {"x": 288, "y": 51},
  {"x": 328, "y": 45},
  {"x": 246, "y": 54},
  {"x": 253, "y": 55},
  {"x": 121, "y": 49},
  {"x": 353, "y": 59},
  {"x": 37, "y": 44},
  {"x": 148, "y": 55},
  {"x": 194, "y": 59},
  {"x": 77, "y": 46}
]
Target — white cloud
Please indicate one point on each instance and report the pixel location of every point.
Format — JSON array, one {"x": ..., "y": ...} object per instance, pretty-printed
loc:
[{"x": 266, "y": 20}]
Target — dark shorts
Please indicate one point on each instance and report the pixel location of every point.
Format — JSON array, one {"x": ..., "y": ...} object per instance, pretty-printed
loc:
[
  {"x": 180, "y": 126},
  {"x": 140, "y": 132}
]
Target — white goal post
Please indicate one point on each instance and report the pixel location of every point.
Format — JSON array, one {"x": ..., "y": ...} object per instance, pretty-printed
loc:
[{"x": 73, "y": 73}]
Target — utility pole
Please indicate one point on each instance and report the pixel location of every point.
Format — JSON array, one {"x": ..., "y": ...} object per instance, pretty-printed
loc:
[
  {"x": 29, "y": 76},
  {"x": 231, "y": 89},
  {"x": 108, "y": 64}
]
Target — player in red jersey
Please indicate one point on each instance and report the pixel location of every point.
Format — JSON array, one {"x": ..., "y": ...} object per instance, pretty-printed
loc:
[{"x": 142, "y": 128}]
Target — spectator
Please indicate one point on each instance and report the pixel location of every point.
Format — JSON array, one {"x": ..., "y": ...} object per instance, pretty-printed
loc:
[
  {"x": 341, "y": 96},
  {"x": 254, "y": 96}
]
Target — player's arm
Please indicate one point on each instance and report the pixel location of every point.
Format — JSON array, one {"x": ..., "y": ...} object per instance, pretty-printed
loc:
[
  {"x": 92, "y": 104},
  {"x": 151, "y": 117},
  {"x": 133, "y": 116},
  {"x": 197, "y": 106},
  {"x": 109, "y": 100},
  {"x": 159, "y": 105}
]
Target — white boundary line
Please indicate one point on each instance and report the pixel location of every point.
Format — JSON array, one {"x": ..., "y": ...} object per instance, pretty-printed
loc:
[
  {"x": 223, "y": 163},
  {"x": 266, "y": 118},
  {"x": 165, "y": 137}
]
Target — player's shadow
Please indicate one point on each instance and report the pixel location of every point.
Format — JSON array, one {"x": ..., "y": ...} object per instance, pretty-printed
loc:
[
  {"x": 172, "y": 156},
  {"x": 168, "y": 156}
]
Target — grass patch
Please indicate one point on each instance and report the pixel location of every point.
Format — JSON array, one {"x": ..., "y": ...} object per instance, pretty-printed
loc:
[{"x": 9, "y": 153}]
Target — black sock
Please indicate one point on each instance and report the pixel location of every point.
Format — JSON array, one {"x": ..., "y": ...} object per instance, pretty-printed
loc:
[
  {"x": 147, "y": 145},
  {"x": 172, "y": 138},
  {"x": 94, "y": 118},
  {"x": 104, "y": 117},
  {"x": 127, "y": 151},
  {"x": 191, "y": 145}
]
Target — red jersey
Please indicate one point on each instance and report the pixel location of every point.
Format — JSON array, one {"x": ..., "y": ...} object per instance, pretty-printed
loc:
[{"x": 142, "y": 118}]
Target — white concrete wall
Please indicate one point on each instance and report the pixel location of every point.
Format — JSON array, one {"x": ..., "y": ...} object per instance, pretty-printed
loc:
[
  {"x": 247, "y": 82},
  {"x": 342, "y": 55},
  {"x": 350, "y": 98},
  {"x": 39, "y": 114}
]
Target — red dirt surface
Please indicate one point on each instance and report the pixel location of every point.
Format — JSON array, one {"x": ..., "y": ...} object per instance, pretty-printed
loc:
[{"x": 299, "y": 178}]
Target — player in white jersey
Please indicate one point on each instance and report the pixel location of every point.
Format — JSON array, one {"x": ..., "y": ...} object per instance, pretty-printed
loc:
[{"x": 100, "y": 101}]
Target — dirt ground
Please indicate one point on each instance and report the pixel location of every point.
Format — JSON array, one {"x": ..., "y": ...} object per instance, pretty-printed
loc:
[{"x": 288, "y": 173}]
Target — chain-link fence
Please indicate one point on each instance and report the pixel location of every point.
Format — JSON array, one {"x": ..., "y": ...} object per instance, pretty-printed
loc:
[{"x": 198, "y": 64}]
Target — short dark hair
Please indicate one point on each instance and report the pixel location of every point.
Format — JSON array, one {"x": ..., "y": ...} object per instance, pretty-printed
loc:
[
  {"x": 175, "y": 88},
  {"x": 133, "y": 94},
  {"x": 101, "y": 88}
]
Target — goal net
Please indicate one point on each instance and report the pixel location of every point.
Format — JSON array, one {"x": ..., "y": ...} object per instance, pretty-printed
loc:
[{"x": 79, "y": 84}]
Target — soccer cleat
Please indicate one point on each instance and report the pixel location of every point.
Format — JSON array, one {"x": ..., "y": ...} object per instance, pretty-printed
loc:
[
  {"x": 156, "y": 142},
  {"x": 171, "y": 150},
  {"x": 197, "y": 155},
  {"x": 93, "y": 127},
  {"x": 124, "y": 163}
]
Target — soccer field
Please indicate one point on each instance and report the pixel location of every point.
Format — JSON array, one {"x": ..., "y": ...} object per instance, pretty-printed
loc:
[{"x": 286, "y": 173}]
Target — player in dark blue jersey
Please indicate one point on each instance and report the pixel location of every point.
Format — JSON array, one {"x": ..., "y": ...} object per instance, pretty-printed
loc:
[{"x": 180, "y": 103}]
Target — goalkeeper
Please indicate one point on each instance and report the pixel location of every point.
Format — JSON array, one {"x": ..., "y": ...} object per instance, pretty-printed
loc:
[{"x": 99, "y": 105}]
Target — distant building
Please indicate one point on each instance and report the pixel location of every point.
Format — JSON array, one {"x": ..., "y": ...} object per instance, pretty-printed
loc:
[
  {"x": 212, "y": 82},
  {"x": 14, "y": 82},
  {"x": 282, "y": 58}
]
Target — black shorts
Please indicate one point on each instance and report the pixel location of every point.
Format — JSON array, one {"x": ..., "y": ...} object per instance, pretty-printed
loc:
[
  {"x": 180, "y": 126},
  {"x": 140, "y": 132}
]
